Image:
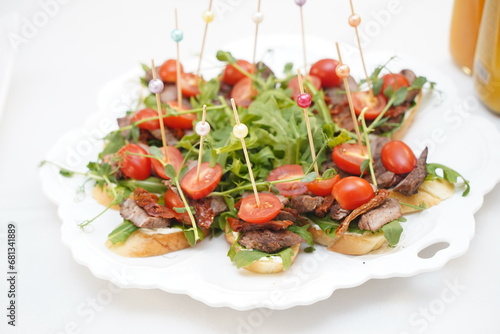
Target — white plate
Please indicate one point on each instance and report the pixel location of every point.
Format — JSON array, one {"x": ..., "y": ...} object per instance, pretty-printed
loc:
[{"x": 206, "y": 273}]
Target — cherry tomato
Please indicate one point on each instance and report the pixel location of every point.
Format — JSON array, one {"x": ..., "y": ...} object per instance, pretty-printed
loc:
[
  {"x": 146, "y": 113},
  {"x": 352, "y": 192},
  {"x": 172, "y": 200},
  {"x": 322, "y": 187},
  {"x": 184, "y": 121},
  {"x": 375, "y": 105},
  {"x": 349, "y": 157},
  {"x": 133, "y": 165},
  {"x": 168, "y": 71},
  {"x": 269, "y": 208},
  {"x": 397, "y": 157},
  {"x": 174, "y": 158},
  {"x": 189, "y": 84},
  {"x": 395, "y": 81},
  {"x": 294, "y": 84},
  {"x": 209, "y": 178},
  {"x": 288, "y": 172},
  {"x": 325, "y": 70},
  {"x": 231, "y": 75},
  {"x": 243, "y": 92}
]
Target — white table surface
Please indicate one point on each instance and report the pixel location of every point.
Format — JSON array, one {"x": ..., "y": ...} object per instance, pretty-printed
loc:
[{"x": 78, "y": 46}]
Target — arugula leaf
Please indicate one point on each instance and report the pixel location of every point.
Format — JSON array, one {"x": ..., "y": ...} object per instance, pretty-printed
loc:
[
  {"x": 288, "y": 69},
  {"x": 329, "y": 173},
  {"x": 244, "y": 257},
  {"x": 449, "y": 175},
  {"x": 151, "y": 184},
  {"x": 400, "y": 96},
  {"x": 225, "y": 56},
  {"x": 304, "y": 233},
  {"x": 122, "y": 232},
  {"x": 392, "y": 231},
  {"x": 418, "y": 83},
  {"x": 377, "y": 85},
  {"x": 309, "y": 177},
  {"x": 342, "y": 137},
  {"x": 364, "y": 166},
  {"x": 114, "y": 141}
]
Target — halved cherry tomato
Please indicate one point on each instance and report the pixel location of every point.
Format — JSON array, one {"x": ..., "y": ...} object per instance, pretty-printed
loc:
[
  {"x": 190, "y": 84},
  {"x": 231, "y": 75},
  {"x": 269, "y": 208},
  {"x": 168, "y": 71},
  {"x": 325, "y": 70},
  {"x": 294, "y": 84},
  {"x": 146, "y": 113},
  {"x": 207, "y": 181},
  {"x": 398, "y": 157},
  {"x": 243, "y": 92},
  {"x": 395, "y": 81},
  {"x": 322, "y": 187},
  {"x": 174, "y": 158},
  {"x": 349, "y": 157},
  {"x": 132, "y": 165},
  {"x": 375, "y": 104},
  {"x": 172, "y": 200},
  {"x": 352, "y": 192},
  {"x": 184, "y": 121},
  {"x": 288, "y": 172}
]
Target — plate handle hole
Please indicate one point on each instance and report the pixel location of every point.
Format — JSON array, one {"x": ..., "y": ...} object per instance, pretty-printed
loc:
[{"x": 431, "y": 250}]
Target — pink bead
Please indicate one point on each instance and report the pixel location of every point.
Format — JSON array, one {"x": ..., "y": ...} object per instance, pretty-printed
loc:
[
  {"x": 300, "y": 3},
  {"x": 354, "y": 20},
  {"x": 342, "y": 71},
  {"x": 304, "y": 100}
]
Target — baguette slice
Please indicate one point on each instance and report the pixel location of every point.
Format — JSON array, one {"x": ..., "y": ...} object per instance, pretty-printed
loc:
[
  {"x": 430, "y": 193},
  {"x": 145, "y": 244},
  {"x": 349, "y": 243}
]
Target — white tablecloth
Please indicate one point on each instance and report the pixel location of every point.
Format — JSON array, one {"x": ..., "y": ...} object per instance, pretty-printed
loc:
[{"x": 67, "y": 50}]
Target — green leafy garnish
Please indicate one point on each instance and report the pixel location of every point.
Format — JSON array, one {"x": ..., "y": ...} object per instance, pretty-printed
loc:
[
  {"x": 244, "y": 257},
  {"x": 392, "y": 231},
  {"x": 122, "y": 232},
  {"x": 449, "y": 175}
]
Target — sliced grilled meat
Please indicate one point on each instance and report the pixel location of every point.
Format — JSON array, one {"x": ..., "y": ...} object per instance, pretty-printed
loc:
[
  {"x": 305, "y": 203},
  {"x": 378, "y": 217},
  {"x": 269, "y": 241},
  {"x": 410, "y": 184},
  {"x": 337, "y": 213},
  {"x": 133, "y": 212},
  {"x": 379, "y": 198}
]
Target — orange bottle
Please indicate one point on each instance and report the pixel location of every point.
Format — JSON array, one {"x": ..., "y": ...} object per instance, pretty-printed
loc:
[
  {"x": 464, "y": 31},
  {"x": 487, "y": 58}
]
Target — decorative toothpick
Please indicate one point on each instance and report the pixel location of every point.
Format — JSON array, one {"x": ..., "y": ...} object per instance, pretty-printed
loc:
[
  {"x": 240, "y": 131},
  {"x": 257, "y": 17},
  {"x": 156, "y": 87},
  {"x": 301, "y": 3},
  {"x": 342, "y": 72},
  {"x": 304, "y": 101},
  {"x": 202, "y": 129},
  {"x": 354, "y": 21},
  {"x": 208, "y": 16},
  {"x": 177, "y": 36}
]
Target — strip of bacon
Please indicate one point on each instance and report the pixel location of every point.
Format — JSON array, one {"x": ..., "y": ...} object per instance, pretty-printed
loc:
[
  {"x": 238, "y": 225},
  {"x": 204, "y": 213},
  {"x": 148, "y": 202},
  {"x": 380, "y": 198}
]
